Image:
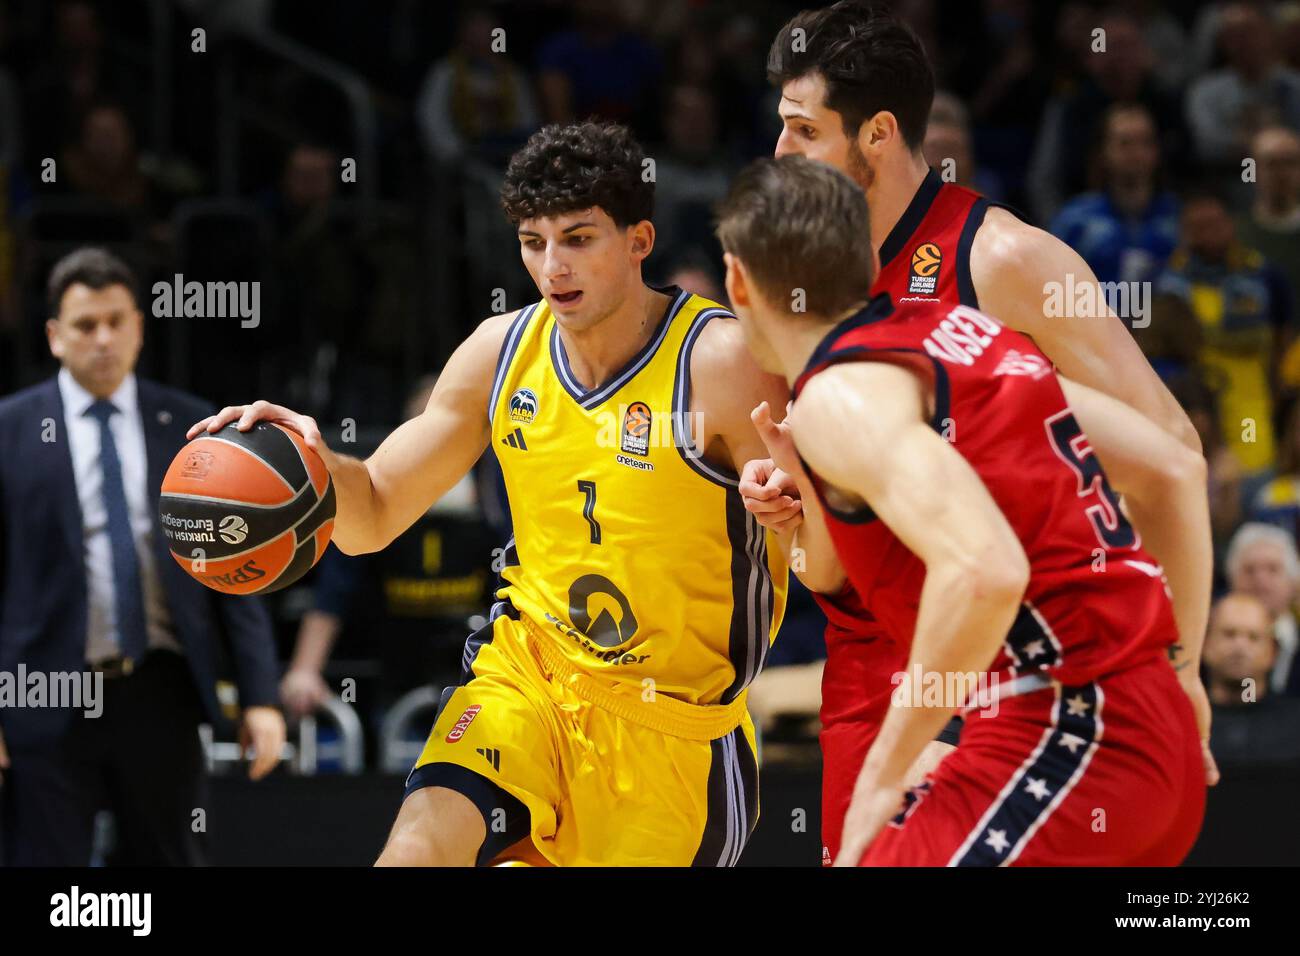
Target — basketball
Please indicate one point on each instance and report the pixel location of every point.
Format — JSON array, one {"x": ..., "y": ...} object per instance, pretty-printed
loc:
[{"x": 247, "y": 512}]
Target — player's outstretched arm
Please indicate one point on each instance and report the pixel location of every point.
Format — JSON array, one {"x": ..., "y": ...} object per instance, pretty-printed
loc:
[
  {"x": 863, "y": 428},
  {"x": 1016, "y": 269},
  {"x": 1163, "y": 484},
  {"x": 379, "y": 498}
]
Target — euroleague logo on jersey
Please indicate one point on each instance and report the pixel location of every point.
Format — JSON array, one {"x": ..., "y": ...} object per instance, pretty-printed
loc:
[
  {"x": 636, "y": 429},
  {"x": 523, "y": 406},
  {"x": 925, "y": 269}
]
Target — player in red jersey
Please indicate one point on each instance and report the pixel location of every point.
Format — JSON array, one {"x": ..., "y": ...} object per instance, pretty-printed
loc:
[
  {"x": 856, "y": 93},
  {"x": 961, "y": 480}
]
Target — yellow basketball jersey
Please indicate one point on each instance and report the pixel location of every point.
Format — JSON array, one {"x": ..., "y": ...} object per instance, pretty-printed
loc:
[{"x": 635, "y": 555}]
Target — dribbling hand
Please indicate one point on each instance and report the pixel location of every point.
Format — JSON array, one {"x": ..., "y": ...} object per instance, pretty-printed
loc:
[{"x": 245, "y": 416}]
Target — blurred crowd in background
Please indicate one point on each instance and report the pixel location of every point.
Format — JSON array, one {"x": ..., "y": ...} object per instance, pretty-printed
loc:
[{"x": 1160, "y": 140}]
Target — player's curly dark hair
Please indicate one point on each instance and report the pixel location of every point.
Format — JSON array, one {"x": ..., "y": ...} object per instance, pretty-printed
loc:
[
  {"x": 577, "y": 166},
  {"x": 871, "y": 61}
]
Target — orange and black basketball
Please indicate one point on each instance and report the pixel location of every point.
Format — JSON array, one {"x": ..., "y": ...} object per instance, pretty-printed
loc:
[{"x": 247, "y": 512}]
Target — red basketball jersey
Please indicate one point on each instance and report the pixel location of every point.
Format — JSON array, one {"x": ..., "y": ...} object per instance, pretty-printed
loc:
[
  {"x": 1096, "y": 601},
  {"x": 925, "y": 257}
]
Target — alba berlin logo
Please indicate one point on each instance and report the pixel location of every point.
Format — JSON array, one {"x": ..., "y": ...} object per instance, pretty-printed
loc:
[{"x": 233, "y": 529}]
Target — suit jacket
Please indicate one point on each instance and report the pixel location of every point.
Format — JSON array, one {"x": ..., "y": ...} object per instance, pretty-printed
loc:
[{"x": 43, "y": 603}]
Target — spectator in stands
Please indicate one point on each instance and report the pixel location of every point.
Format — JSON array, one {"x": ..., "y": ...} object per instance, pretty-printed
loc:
[
  {"x": 1166, "y": 39},
  {"x": 694, "y": 275},
  {"x": 475, "y": 100},
  {"x": 1072, "y": 122},
  {"x": 103, "y": 163},
  {"x": 1272, "y": 224},
  {"x": 1128, "y": 227},
  {"x": 1288, "y": 34},
  {"x": 599, "y": 68},
  {"x": 948, "y": 147},
  {"x": 1009, "y": 88},
  {"x": 719, "y": 52},
  {"x": 1262, "y": 563},
  {"x": 1204, "y": 37},
  {"x": 1225, "y": 302},
  {"x": 1252, "y": 724},
  {"x": 1223, "y": 470},
  {"x": 309, "y": 182},
  {"x": 1072, "y": 36},
  {"x": 1278, "y": 502},
  {"x": 1253, "y": 89},
  {"x": 691, "y": 176},
  {"x": 68, "y": 83},
  {"x": 322, "y": 288}
]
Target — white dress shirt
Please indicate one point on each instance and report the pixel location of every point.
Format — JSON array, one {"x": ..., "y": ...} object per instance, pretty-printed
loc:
[
  {"x": 83, "y": 441},
  {"x": 1288, "y": 638}
]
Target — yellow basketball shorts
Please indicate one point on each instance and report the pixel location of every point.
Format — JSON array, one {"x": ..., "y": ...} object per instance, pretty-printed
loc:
[{"x": 570, "y": 770}]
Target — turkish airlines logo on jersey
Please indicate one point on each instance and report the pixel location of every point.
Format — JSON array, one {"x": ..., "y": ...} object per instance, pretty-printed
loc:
[
  {"x": 462, "y": 724},
  {"x": 925, "y": 269},
  {"x": 636, "y": 429}
]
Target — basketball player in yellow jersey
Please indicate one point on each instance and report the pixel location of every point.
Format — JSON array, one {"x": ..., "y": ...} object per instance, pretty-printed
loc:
[{"x": 602, "y": 716}]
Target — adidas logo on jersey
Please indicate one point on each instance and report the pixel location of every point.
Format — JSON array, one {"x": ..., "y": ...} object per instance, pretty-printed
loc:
[
  {"x": 491, "y": 754},
  {"x": 515, "y": 440}
]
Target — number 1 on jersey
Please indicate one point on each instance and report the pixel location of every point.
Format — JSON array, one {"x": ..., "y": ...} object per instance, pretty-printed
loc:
[{"x": 588, "y": 489}]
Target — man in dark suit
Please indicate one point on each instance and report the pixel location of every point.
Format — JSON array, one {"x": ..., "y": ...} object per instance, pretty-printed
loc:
[{"x": 87, "y": 586}]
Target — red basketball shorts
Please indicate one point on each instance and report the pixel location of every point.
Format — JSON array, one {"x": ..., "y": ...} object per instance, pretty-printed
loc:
[{"x": 1108, "y": 773}]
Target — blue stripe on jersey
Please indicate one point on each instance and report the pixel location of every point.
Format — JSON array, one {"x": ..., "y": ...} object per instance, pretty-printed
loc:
[
  {"x": 731, "y": 801},
  {"x": 508, "y": 348},
  {"x": 682, "y": 437},
  {"x": 965, "y": 283},
  {"x": 752, "y": 595},
  {"x": 1041, "y": 784},
  {"x": 1031, "y": 642},
  {"x": 593, "y": 398}
]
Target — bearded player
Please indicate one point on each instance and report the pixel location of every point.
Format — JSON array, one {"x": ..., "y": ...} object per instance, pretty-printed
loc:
[
  {"x": 1003, "y": 551},
  {"x": 602, "y": 716},
  {"x": 856, "y": 90}
]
